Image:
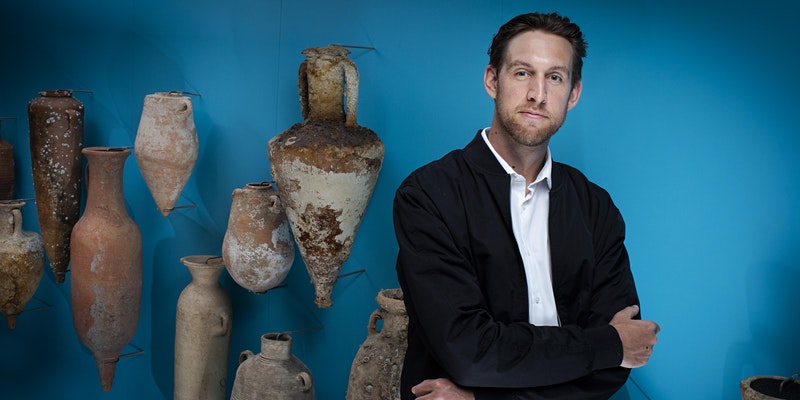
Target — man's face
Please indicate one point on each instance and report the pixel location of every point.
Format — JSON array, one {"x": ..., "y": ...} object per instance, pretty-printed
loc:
[{"x": 533, "y": 89}]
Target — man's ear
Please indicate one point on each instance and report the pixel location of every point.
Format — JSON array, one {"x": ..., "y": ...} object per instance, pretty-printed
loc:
[
  {"x": 575, "y": 95},
  {"x": 490, "y": 81}
]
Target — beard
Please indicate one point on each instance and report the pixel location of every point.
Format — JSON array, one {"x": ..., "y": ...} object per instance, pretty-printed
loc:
[{"x": 527, "y": 133}]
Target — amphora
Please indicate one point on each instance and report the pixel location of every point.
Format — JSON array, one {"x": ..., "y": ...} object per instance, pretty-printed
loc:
[
  {"x": 202, "y": 332},
  {"x": 166, "y": 146},
  {"x": 21, "y": 261},
  {"x": 56, "y": 119},
  {"x": 326, "y": 167},
  {"x": 7, "y": 180},
  {"x": 106, "y": 274},
  {"x": 274, "y": 374},
  {"x": 375, "y": 372},
  {"x": 258, "y": 248}
]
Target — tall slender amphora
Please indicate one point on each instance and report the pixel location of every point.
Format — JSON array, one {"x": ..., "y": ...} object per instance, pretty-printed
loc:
[
  {"x": 56, "y": 139},
  {"x": 202, "y": 332},
  {"x": 258, "y": 248},
  {"x": 106, "y": 274},
  {"x": 21, "y": 261},
  {"x": 166, "y": 146},
  {"x": 326, "y": 167},
  {"x": 274, "y": 374},
  {"x": 7, "y": 180},
  {"x": 375, "y": 372}
]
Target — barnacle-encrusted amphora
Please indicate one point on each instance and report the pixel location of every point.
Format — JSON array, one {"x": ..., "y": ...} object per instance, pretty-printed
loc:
[{"x": 326, "y": 167}]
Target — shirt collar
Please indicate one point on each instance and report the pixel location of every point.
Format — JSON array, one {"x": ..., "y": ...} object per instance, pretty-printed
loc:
[{"x": 545, "y": 174}]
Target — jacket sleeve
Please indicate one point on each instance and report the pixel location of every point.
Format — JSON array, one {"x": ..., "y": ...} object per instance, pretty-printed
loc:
[
  {"x": 450, "y": 312},
  {"x": 615, "y": 291}
]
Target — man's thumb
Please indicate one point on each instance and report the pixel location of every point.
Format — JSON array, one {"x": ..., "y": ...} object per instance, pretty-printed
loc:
[{"x": 630, "y": 311}]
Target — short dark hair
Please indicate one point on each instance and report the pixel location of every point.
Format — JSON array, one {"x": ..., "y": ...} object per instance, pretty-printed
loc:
[{"x": 551, "y": 23}]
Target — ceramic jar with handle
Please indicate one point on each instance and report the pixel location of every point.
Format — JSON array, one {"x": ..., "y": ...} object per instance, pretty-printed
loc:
[
  {"x": 326, "y": 167},
  {"x": 21, "y": 261},
  {"x": 202, "y": 332},
  {"x": 274, "y": 374}
]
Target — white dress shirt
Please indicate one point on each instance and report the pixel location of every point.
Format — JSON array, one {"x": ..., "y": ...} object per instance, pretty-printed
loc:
[{"x": 529, "y": 218}]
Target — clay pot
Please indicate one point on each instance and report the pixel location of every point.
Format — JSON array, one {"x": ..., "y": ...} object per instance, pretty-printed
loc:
[
  {"x": 106, "y": 281},
  {"x": 770, "y": 387},
  {"x": 326, "y": 167},
  {"x": 375, "y": 372},
  {"x": 202, "y": 332},
  {"x": 258, "y": 248},
  {"x": 274, "y": 374},
  {"x": 166, "y": 146},
  {"x": 21, "y": 261},
  {"x": 7, "y": 180},
  {"x": 56, "y": 140}
]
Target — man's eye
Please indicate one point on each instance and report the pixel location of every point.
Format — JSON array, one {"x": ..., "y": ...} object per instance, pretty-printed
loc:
[
  {"x": 556, "y": 78},
  {"x": 521, "y": 73}
]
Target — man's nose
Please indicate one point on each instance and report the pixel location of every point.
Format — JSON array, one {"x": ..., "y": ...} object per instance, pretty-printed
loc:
[{"x": 537, "y": 92}]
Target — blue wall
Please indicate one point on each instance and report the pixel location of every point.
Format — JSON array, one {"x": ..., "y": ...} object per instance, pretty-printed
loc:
[{"x": 686, "y": 117}]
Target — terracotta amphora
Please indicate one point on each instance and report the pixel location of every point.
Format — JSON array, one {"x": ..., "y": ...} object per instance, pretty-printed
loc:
[
  {"x": 106, "y": 274},
  {"x": 56, "y": 139},
  {"x": 7, "y": 179},
  {"x": 166, "y": 146},
  {"x": 274, "y": 374},
  {"x": 21, "y": 261},
  {"x": 258, "y": 248},
  {"x": 202, "y": 332},
  {"x": 326, "y": 167},
  {"x": 375, "y": 372}
]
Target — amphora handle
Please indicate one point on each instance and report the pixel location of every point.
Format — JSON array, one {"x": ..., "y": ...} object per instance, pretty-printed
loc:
[
  {"x": 373, "y": 321},
  {"x": 17, "y": 221},
  {"x": 245, "y": 355},
  {"x": 306, "y": 382}
]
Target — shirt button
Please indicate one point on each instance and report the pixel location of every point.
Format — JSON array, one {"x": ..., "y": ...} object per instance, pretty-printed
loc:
[{"x": 537, "y": 299}]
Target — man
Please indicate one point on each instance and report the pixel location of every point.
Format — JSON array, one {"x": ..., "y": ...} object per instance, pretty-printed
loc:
[{"x": 513, "y": 266}]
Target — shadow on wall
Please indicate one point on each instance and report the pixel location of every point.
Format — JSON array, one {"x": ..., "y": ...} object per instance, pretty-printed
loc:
[{"x": 773, "y": 349}]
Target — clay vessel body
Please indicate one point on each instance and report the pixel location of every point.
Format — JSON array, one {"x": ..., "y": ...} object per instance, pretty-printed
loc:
[
  {"x": 21, "y": 261},
  {"x": 106, "y": 274},
  {"x": 202, "y": 332},
  {"x": 166, "y": 146},
  {"x": 326, "y": 167},
  {"x": 376, "y": 368},
  {"x": 258, "y": 248},
  {"x": 274, "y": 374},
  {"x": 56, "y": 139},
  {"x": 7, "y": 180},
  {"x": 770, "y": 387}
]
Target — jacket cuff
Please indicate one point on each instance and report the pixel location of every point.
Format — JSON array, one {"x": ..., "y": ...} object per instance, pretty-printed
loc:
[{"x": 607, "y": 347}]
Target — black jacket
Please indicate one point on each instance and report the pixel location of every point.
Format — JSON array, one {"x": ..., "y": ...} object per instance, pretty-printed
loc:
[{"x": 465, "y": 291}]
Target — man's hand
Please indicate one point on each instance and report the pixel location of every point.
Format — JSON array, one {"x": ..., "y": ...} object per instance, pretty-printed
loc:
[
  {"x": 441, "y": 389},
  {"x": 638, "y": 337}
]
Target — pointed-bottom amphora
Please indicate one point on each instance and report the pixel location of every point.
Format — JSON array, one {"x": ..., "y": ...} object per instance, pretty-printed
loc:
[{"x": 326, "y": 167}]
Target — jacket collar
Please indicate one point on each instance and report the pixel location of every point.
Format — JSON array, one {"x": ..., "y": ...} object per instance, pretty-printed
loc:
[{"x": 479, "y": 155}]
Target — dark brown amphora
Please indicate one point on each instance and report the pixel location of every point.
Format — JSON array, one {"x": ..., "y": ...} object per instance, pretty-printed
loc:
[
  {"x": 326, "y": 167},
  {"x": 56, "y": 139},
  {"x": 21, "y": 261},
  {"x": 375, "y": 372},
  {"x": 106, "y": 274},
  {"x": 7, "y": 179}
]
